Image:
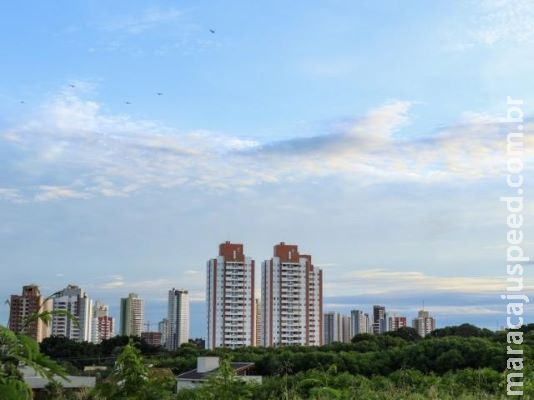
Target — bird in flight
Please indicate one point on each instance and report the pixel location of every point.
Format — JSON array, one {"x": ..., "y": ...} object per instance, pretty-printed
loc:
[
  {"x": 212, "y": 31},
  {"x": 22, "y": 102},
  {"x": 127, "y": 102},
  {"x": 71, "y": 85},
  {"x": 159, "y": 94}
]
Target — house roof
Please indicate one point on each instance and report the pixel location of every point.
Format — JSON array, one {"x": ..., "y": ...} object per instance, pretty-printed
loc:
[
  {"x": 193, "y": 375},
  {"x": 36, "y": 381}
]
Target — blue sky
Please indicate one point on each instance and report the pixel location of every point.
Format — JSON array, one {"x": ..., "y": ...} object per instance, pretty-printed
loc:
[{"x": 365, "y": 132}]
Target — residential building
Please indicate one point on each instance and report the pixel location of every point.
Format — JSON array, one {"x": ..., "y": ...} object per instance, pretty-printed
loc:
[
  {"x": 379, "y": 319},
  {"x": 22, "y": 306},
  {"x": 333, "y": 327},
  {"x": 152, "y": 338},
  {"x": 72, "y": 302},
  {"x": 103, "y": 323},
  {"x": 132, "y": 315},
  {"x": 178, "y": 319},
  {"x": 163, "y": 326},
  {"x": 424, "y": 324},
  {"x": 208, "y": 366},
  {"x": 359, "y": 322},
  {"x": 292, "y": 299},
  {"x": 395, "y": 322},
  {"x": 346, "y": 335},
  {"x": 230, "y": 298}
]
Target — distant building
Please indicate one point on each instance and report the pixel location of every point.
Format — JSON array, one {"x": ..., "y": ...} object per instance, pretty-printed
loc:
[
  {"x": 292, "y": 299},
  {"x": 395, "y": 322},
  {"x": 23, "y": 306},
  {"x": 336, "y": 328},
  {"x": 258, "y": 323},
  {"x": 177, "y": 319},
  {"x": 74, "y": 301},
  {"x": 424, "y": 324},
  {"x": 379, "y": 320},
  {"x": 103, "y": 323},
  {"x": 208, "y": 366},
  {"x": 230, "y": 298},
  {"x": 346, "y": 335},
  {"x": 333, "y": 328},
  {"x": 199, "y": 342},
  {"x": 152, "y": 338},
  {"x": 163, "y": 325},
  {"x": 359, "y": 322},
  {"x": 132, "y": 315}
]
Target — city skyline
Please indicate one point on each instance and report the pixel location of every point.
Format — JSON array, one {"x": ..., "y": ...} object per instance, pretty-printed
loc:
[{"x": 133, "y": 138}]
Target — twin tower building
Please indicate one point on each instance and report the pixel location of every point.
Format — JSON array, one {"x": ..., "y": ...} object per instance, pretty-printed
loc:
[{"x": 291, "y": 307}]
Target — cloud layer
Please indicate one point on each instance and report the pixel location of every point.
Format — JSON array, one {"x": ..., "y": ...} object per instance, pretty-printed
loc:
[{"x": 70, "y": 148}]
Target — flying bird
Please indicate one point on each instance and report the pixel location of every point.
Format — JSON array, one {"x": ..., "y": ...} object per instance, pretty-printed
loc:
[
  {"x": 159, "y": 94},
  {"x": 212, "y": 30},
  {"x": 22, "y": 102},
  {"x": 127, "y": 102},
  {"x": 71, "y": 85}
]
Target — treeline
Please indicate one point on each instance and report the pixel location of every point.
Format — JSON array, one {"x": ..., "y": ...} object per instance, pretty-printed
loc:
[{"x": 462, "y": 362}]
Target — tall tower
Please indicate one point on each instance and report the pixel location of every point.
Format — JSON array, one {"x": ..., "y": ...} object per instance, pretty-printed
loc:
[
  {"x": 132, "y": 315},
  {"x": 74, "y": 301},
  {"x": 292, "y": 299},
  {"x": 379, "y": 320},
  {"x": 424, "y": 324},
  {"x": 23, "y": 306},
  {"x": 230, "y": 298},
  {"x": 178, "y": 319}
]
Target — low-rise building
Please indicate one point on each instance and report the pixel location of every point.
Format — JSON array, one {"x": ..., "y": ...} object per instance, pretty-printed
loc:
[{"x": 208, "y": 366}]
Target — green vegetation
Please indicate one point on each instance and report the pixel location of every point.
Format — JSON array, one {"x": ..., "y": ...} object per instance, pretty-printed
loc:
[{"x": 462, "y": 362}]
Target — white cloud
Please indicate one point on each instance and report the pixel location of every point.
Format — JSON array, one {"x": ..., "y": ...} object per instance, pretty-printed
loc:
[
  {"x": 139, "y": 23},
  {"x": 364, "y": 282},
  {"x": 95, "y": 153}
]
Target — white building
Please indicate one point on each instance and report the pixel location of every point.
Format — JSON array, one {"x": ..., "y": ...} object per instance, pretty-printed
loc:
[
  {"x": 424, "y": 324},
  {"x": 163, "y": 327},
  {"x": 178, "y": 319},
  {"x": 72, "y": 302},
  {"x": 292, "y": 299},
  {"x": 132, "y": 315},
  {"x": 230, "y": 298},
  {"x": 103, "y": 324},
  {"x": 360, "y": 323}
]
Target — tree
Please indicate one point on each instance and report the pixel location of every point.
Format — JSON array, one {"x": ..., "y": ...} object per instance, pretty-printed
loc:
[
  {"x": 16, "y": 351},
  {"x": 225, "y": 385},
  {"x": 406, "y": 333},
  {"x": 130, "y": 380}
]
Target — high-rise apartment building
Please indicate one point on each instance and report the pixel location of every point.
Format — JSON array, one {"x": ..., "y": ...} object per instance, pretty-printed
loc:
[
  {"x": 163, "y": 327},
  {"x": 72, "y": 302},
  {"x": 178, "y": 319},
  {"x": 424, "y": 324},
  {"x": 292, "y": 299},
  {"x": 132, "y": 315},
  {"x": 333, "y": 327},
  {"x": 230, "y": 298},
  {"x": 395, "y": 322},
  {"x": 336, "y": 328},
  {"x": 346, "y": 333},
  {"x": 23, "y": 306},
  {"x": 103, "y": 323},
  {"x": 359, "y": 322},
  {"x": 379, "y": 320}
]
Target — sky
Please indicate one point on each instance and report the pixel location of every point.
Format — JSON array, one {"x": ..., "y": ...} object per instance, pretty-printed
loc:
[{"x": 133, "y": 141}]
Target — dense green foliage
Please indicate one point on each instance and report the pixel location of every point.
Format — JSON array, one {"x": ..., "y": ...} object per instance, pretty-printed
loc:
[{"x": 463, "y": 362}]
